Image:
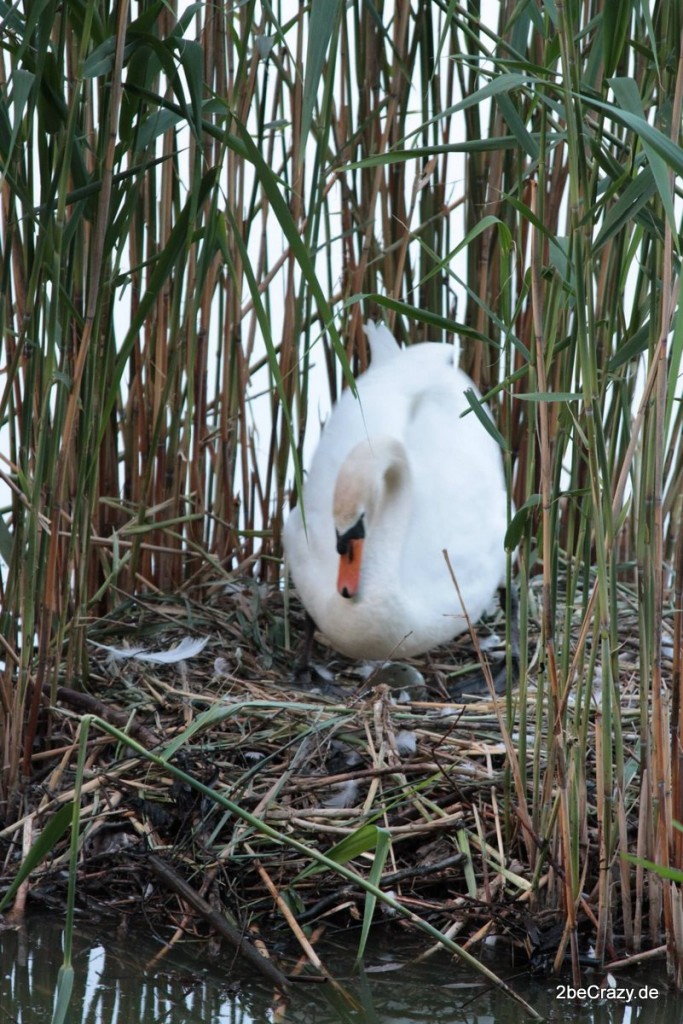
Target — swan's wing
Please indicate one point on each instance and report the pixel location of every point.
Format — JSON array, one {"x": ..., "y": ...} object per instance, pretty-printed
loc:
[{"x": 459, "y": 487}]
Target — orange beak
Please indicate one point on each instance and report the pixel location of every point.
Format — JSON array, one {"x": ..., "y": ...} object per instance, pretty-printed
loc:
[{"x": 348, "y": 579}]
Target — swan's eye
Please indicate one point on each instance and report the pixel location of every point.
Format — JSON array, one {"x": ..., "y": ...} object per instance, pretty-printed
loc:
[{"x": 355, "y": 532}]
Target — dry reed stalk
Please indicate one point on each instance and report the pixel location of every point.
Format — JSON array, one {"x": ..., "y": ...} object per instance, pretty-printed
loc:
[{"x": 557, "y": 757}]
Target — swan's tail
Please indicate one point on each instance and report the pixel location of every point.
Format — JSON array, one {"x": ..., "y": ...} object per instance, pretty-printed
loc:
[{"x": 383, "y": 345}]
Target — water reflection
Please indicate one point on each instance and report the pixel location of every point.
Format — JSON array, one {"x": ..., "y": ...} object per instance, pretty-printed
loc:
[{"x": 125, "y": 982}]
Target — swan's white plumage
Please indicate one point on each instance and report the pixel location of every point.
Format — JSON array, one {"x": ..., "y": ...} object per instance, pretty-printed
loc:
[{"x": 447, "y": 492}]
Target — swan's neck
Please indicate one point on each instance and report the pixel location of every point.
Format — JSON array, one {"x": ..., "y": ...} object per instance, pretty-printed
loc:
[{"x": 375, "y": 483}]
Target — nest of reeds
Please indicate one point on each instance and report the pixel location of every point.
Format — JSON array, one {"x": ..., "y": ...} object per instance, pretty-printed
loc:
[{"x": 227, "y": 731}]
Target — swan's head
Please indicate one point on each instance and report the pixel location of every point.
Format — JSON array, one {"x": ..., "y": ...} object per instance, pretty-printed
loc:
[
  {"x": 350, "y": 551},
  {"x": 369, "y": 475}
]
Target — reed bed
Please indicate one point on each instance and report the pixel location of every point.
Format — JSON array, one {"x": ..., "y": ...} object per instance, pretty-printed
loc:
[
  {"x": 207, "y": 786},
  {"x": 200, "y": 207}
]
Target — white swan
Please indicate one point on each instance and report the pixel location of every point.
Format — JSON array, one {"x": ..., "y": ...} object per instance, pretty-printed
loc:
[{"x": 399, "y": 476}]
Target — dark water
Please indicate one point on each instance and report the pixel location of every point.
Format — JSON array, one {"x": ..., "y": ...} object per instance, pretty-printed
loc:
[{"x": 131, "y": 983}]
